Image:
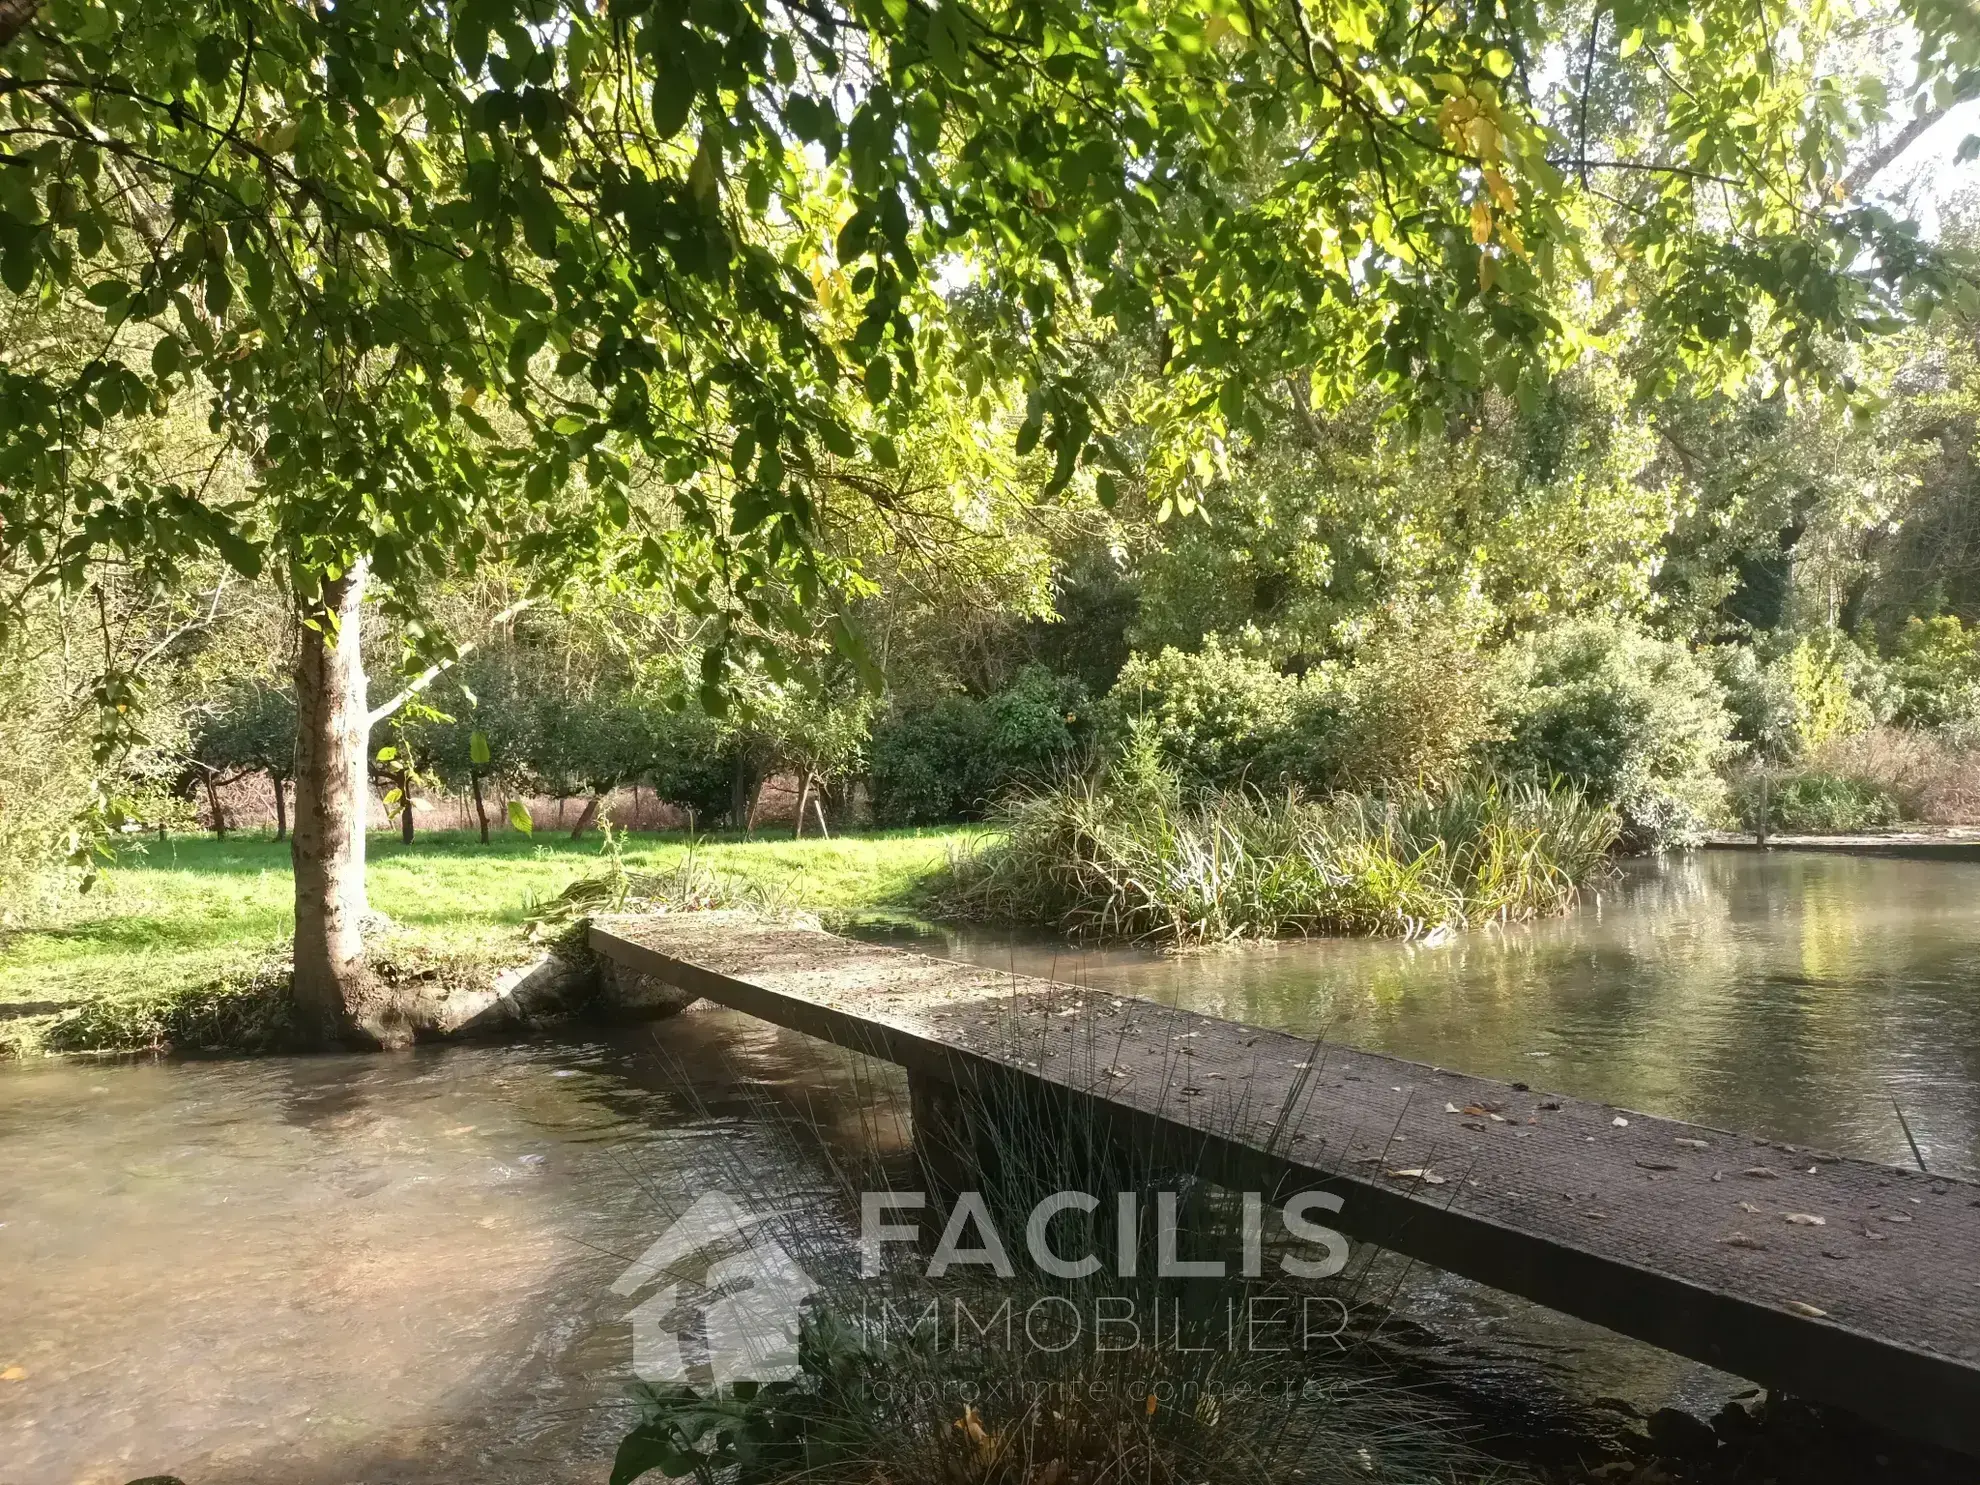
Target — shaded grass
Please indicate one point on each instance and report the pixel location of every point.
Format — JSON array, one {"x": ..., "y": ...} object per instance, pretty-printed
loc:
[{"x": 192, "y": 917}]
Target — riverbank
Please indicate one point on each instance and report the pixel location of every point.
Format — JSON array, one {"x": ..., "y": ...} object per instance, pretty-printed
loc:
[{"x": 196, "y": 920}]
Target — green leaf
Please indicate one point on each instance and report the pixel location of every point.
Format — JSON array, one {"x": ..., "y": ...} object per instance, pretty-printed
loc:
[
  {"x": 519, "y": 818},
  {"x": 386, "y": 754},
  {"x": 673, "y": 101},
  {"x": 167, "y": 356},
  {"x": 651, "y": 1447},
  {"x": 478, "y": 753}
]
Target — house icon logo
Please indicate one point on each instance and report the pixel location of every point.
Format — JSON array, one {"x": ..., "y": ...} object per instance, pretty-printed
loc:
[{"x": 748, "y": 1300}]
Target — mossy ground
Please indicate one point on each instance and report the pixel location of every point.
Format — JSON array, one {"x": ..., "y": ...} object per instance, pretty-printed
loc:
[{"x": 181, "y": 936}]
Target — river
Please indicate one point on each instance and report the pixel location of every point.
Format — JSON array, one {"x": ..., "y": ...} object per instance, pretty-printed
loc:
[{"x": 398, "y": 1268}]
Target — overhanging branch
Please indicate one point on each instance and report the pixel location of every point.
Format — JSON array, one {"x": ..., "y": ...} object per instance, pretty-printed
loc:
[{"x": 433, "y": 673}]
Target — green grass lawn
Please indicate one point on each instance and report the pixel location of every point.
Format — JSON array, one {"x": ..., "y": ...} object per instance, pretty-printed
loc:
[{"x": 190, "y": 910}]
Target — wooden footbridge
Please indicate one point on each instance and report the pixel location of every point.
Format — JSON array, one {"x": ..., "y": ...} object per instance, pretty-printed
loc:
[{"x": 1837, "y": 1280}]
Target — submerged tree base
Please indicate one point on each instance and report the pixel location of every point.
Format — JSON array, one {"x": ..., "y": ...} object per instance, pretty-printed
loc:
[{"x": 1129, "y": 859}]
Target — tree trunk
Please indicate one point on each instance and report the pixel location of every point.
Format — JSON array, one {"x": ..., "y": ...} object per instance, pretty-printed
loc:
[
  {"x": 333, "y": 993},
  {"x": 281, "y": 805},
  {"x": 585, "y": 820},
  {"x": 804, "y": 803},
  {"x": 818, "y": 804},
  {"x": 745, "y": 784},
  {"x": 213, "y": 805},
  {"x": 480, "y": 805},
  {"x": 405, "y": 805}
]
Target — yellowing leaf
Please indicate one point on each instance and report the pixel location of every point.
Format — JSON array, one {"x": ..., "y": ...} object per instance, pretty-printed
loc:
[
  {"x": 1503, "y": 195},
  {"x": 1482, "y": 136},
  {"x": 1481, "y": 222}
]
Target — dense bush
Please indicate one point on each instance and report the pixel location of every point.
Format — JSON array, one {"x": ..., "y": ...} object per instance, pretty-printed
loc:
[
  {"x": 1133, "y": 858},
  {"x": 1637, "y": 721},
  {"x": 1761, "y": 699},
  {"x": 1936, "y": 673},
  {"x": 949, "y": 761},
  {"x": 1208, "y": 714},
  {"x": 1818, "y": 803},
  {"x": 1839, "y": 687}
]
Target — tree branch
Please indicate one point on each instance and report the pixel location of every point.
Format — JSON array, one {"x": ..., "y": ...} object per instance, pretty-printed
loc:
[
  {"x": 433, "y": 673},
  {"x": 1878, "y": 159}
]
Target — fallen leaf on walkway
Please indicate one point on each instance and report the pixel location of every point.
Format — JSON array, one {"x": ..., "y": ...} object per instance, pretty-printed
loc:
[
  {"x": 1747, "y": 1206},
  {"x": 1414, "y": 1174},
  {"x": 1693, "y": 1144},
  {"x": 1809, "y": 1310},
  {"x": 1655, "y": 1165},
  {"x": 1806, "y": 1219},
  {"x": 1620, "y": 1122},
  {"x": 1761, "y": 1173},
  {"x": 1741, "y": 1240}
]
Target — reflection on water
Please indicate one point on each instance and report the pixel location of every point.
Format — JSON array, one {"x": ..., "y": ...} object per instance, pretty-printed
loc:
[
  {"x": 330, "y": 1269},
  {"x": 366, "y": 1268},
  {"x": 1793, "y": 995}
]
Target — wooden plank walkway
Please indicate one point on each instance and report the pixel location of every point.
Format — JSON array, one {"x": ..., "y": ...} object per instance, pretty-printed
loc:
[{"x": 1690, "y": 1238}]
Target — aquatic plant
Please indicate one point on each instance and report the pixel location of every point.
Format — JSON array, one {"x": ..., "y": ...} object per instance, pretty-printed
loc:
[
  {"x": 1130, "y": 858},
  {"x": 886, "y": 1389}
]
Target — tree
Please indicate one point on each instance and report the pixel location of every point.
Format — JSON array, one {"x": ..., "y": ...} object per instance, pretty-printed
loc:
[
  {"x": 555, "y": 282},
  {"x": 252, "y": 730}
]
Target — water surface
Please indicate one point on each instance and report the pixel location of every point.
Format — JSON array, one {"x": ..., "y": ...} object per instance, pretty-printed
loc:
[{"x": 1797, "y": 995}]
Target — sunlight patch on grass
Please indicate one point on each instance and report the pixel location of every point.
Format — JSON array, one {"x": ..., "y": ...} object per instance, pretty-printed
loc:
[{"x": 189, "y": 911}]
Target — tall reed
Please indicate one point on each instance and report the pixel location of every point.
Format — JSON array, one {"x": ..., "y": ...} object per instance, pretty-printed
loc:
[{"x": 1130, "y": 858}]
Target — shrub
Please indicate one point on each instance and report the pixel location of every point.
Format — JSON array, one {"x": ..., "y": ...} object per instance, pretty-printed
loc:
[
  {"x": 1839, "y": 688},
  {"x": 1636, "y": 721},
  {"x": 1210, "y": 714},
  {"x": 1131, "y": 858},
  {"x": 1936, "y": 673},
  {"x": 1418, "y": 705},
  {"x": 950, "y": 760},
  {"x": 1760, "y": 698},
  {"x": 1819, "y": 803},
  {"x": 1934, "y": 777},
  {"x": 921, "y": 772}
]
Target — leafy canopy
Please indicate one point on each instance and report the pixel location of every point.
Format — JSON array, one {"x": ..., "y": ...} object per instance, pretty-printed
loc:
[{"x": 569, "y": 283}]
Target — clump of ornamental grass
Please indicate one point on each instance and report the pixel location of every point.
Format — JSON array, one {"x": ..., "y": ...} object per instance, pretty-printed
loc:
[
  {"x": 906, "y": 1377},
  {"x": 1130, "y": 857}
]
